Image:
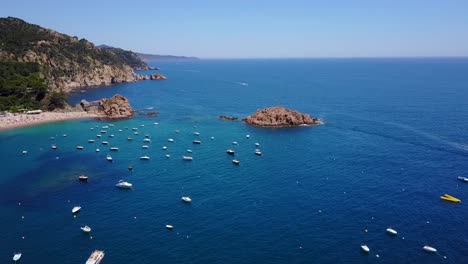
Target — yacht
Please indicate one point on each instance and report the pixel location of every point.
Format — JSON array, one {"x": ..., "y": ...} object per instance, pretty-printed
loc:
[
  {"x": 96, "y": 257},
  {"x": 236, "y": 161},
  {"x": 79, "y": 147},
  {"x": 144, "y": 158},
  {"x": 114, "y": 149},
  {"x": 17, "y": 256},
  {"x": 91, "y": 141},
  {"x": 98, "y": 136},
  {"x": 186, "y": 199},
  {"x": 76, "y": 209},
  {"x": 124, "y": 185},
  {"x": 196, "y": 133},
  {"x": 187, "y": 158},
  {"x": 429, "y": 249},
  {"x": 105, "y": 143},
  {"x": 391, "y": 231},
  {"x": 109, "y": 158},
  {"x": 365, "y": 248},
  {"x": 54, "y": 147},
  {"x": 197, "y": 142},
  {"x": 170, "y": 140},
  {"x": 145, "y": 146},
  {"x": 83, "y": 178},
  {"x": 86, "y": 229},
  {"x": 169, "y": 227},
  {"x": 230, "y": 152},
  {"x": 258, "y": 152}
]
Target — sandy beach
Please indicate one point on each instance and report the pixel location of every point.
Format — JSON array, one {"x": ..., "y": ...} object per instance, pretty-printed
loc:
[{"x": 22, "y": 120}]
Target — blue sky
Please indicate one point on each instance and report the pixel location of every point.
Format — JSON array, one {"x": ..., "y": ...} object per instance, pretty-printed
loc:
[{"x": 259, "y": 29}]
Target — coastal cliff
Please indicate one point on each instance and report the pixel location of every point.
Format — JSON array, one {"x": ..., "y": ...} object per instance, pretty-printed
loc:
[
  {"x": 280, "y": 117},
  {"x": 65, "y": 62}
]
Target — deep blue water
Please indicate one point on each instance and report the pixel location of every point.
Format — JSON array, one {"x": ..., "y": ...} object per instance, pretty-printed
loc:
[{"x": 395, "y": 139}]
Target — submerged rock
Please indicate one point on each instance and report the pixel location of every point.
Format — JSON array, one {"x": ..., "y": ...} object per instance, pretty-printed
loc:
[
  {"x": 280, "y": 117},
  {"x": 230, "y": 118}
]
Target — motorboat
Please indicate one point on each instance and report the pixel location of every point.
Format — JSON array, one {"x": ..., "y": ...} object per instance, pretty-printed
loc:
[
  {"x": 85, "y": 229},
  {"x": 83, "y": 178},
  {"x": 230, "y": 152},
  {"x": 105, "y": 127},
  {"x": 120, "y": 130},
  {"x": 91, "y": 128},
  {"x": 144, "y": 158},
  {"x": 103, "y": 131},
  {"x": 129, "y": 139},
  {"x": 365, "y": 248},
  {"x": 236, "y": 161},
  {"x": 168, "y": 156},
  {"x": 135, "y": 128},
  {"x": 54, "y": 147},
  {"x": 170, "y": 140},
  {"x": 164, "y": 148},
  {"x": 464, "y": 179},
  {"x": 111, "y": 135},
  {"x": 98, "y": 136},
  {"x": 24, "y": 152},
  {"x": 91, "y": 141},
  {"x": 196, "y": 133},
  {"x": 76, "y": 209},
  {"x": 189, "y": 151},
  {"x": 450, "y": 198},
  {"x": 145, "y": 146},
  {"x": 146, "y": 140},
  {"x": 247, "y": 136},
  {"x": 136, "y": 133},
  {"x": 124, "y": 185},
  {"x": 212, "y": 138},
  {"x": 257, "y": 144},
  {"x": 186, "y": 199},
  {"x": 187, "y": 158},
  {"x": 105, "y": 143},
  {"x": 97, "y": 150},
  {"x": 235, "y": 143},
  {"x": 109, "y": 158},
  {"x": 429, "y": 249},
  {"x": 391, "y": 231},
  {"x": 169, "y": 227},
  {"x": 258, "y": 152},
  {"x": 96, "y": 257},
  {"x": 114, "y": 149},
  {"x": 17, "y": 256},
  {"x": 197, "y": 142},
  {"x": 79, "y": 147}
]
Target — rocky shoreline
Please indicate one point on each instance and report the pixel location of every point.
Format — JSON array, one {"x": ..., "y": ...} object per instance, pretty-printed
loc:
[{"x": 280, "y": 117}]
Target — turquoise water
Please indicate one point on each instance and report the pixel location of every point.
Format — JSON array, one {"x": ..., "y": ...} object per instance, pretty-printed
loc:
[{"x": 395, "y": 139}]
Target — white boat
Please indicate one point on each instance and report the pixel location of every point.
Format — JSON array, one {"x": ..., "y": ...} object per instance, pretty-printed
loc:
[
  {"x": 464, "y": 179},
  {"x": 86, "y": 229},
  {"x": 257, "y": 144},
  {"x": 103, "y": 131},
  {"x": 105, "y": 127},
  {"x": 187, "y": 158},
  {"x": 17, "y": 256},
  {"x": 429, "y": 249},
  {"x": 109, "y": 158},
  {"x": 144, "y": 158},
  {"x": 114, "y": 149},
  {"x": 145, "y": 146},
  {"x": 189, "y": 151},
  {"x": 177, "y": 130},
  {"x": 212, "y": 138},
  {"x": 83, "y": 178},
  {"x": 170, "y": 140},
  {"x": 135, "y": 129},
  {"x": 105, "y": 143},
  {"x": 120, "y": 130},
  {"x": 24, "y": 152},
  {"x": 196, "y": 133},
  {"x": 197, "y": 142},
  {"x": 64, "y": 135},
  {"x": 230, "y": 152},
  {"x": 391, "y": 231},
  {"x": 111, "y": 125},
  {"x": 91, "y": 141},
  {"x": 76, "y": 209},
  {"x": 142, "y": 125},
  {"x": 156, "y": 123},
  {"x": 365, "y": 248},
  {"x": 258, "y": 152},
  {"x": 168, "y": 156},
  {"x": 247, "y": 136},
  {"x": 146, "y": 140},
  {"x": 169, "y": 227},
  {"x": 235, "y": 143},
  {"x": 164, "y": 148},
  {"x": 124, "y": 185},
  {"x": 91, "y": 128},
  {"x": 236, "y": 161},
  {"x": 111, "y": 136},
  {"x": 136, "y": 133},
  {"x": 97, "y": 150},
  {"x": 98, "y": 136},
  {"x": 96, "y": 257},
  {"x": 186, "y": 199},
  {"x": 54, "y": 147},
  {"x": 79, "y": 147}
]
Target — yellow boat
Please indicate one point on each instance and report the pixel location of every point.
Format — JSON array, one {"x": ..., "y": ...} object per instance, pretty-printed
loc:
[{"x": 450, "y": 198}]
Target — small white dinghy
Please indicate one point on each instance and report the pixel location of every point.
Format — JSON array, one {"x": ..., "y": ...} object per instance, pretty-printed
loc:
[
  {"x": 17, "y": 256},
  {"x": 391, "y": 231},
  {"x": 86, "y": 229},
  {"x": 365, "y": 248},
  {"x": 170, "y": 140},
  {"x": 144, "y": 158},
  {"x": 76, "y": 209},
  {"x": 109, "y": 158},
  {"x": 97, "y": 150},
  {"x": 124, "y": 185},
  {"x": 169, "y": 227},
  {"x": 429, "y": 249},
  {"x": 114, "y": 149},
  {"x": 79, "y": 147},
  {"x": 186, "y": 199},
  {"x": 144, "y": 146},
  {"x": 187, "y": 158}
]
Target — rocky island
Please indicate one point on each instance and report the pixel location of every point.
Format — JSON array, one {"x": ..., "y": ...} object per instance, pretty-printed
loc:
[
  {"x": 280, "y": 117},
  {"x": 117, "y": 107}
]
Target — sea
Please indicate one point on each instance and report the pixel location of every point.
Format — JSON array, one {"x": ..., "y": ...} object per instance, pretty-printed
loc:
[{"x": 394, "y": 139}]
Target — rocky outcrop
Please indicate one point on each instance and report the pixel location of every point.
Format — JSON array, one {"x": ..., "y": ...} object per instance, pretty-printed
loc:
[
  {"x": 280, "y": 117},
  {"x": 230, "y": 118},
  {"x": 141, "y": 77},
  {"x": 157, "y": 76},
  {"x": 117, "y": 107}
]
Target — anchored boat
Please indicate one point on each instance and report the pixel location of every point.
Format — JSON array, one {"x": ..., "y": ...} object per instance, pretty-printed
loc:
[{"x": 96, "y": 257}]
